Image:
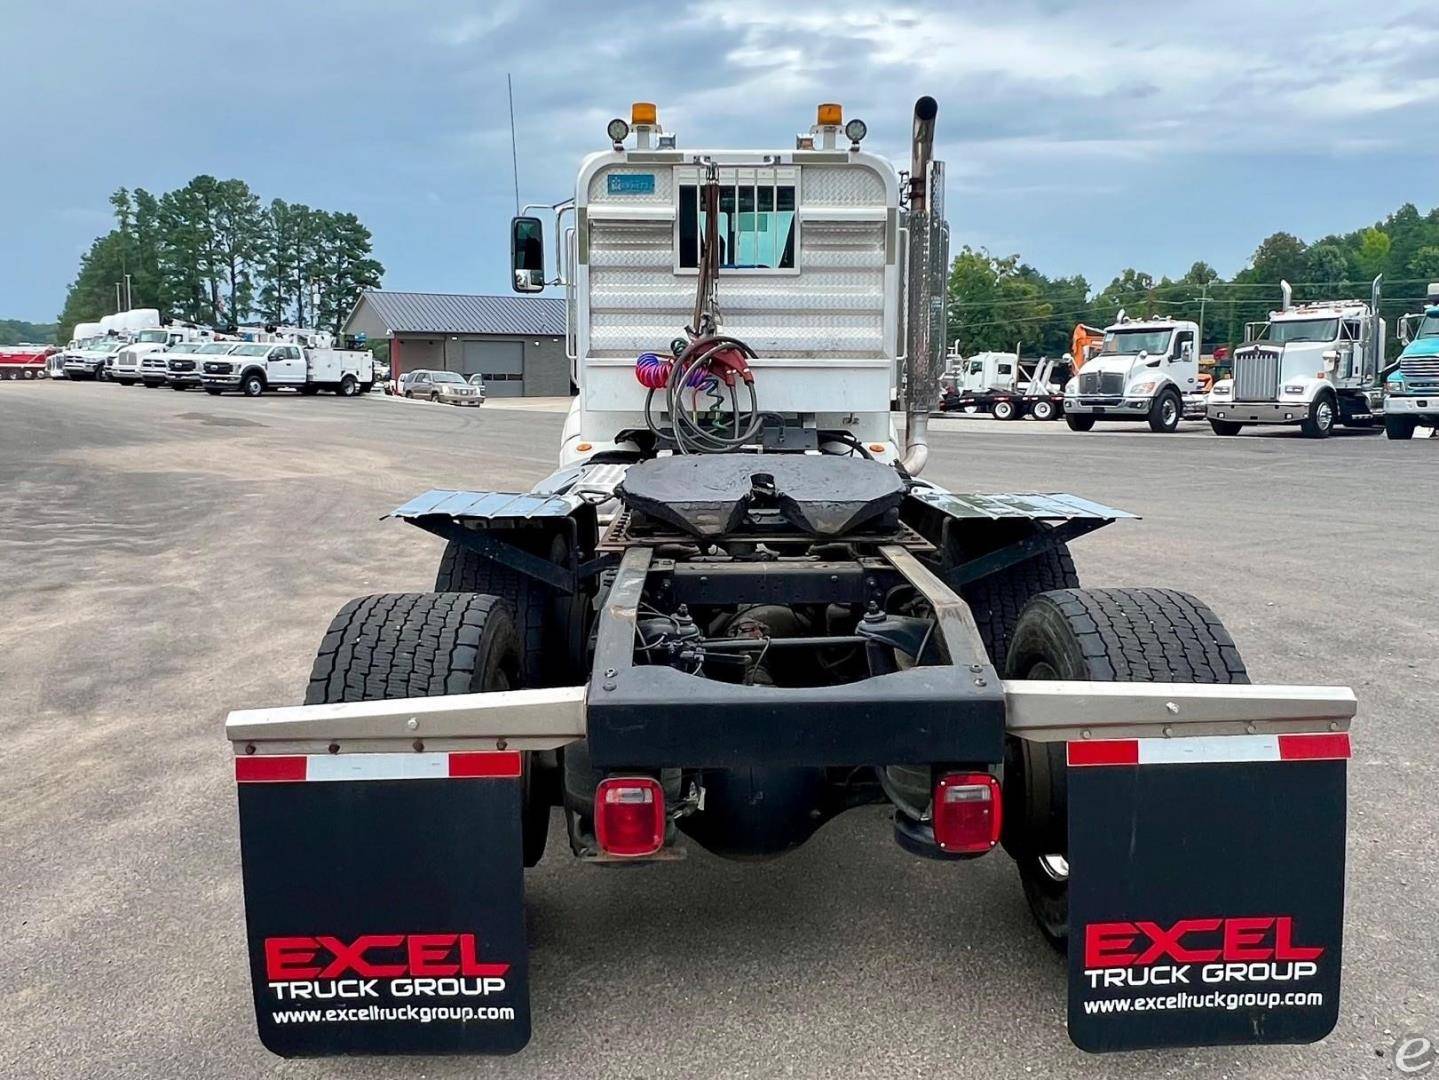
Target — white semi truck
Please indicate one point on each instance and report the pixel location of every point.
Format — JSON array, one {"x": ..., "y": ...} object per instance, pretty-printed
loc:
[
  {"x": 1146, "y": 369},
  {"x": 737, "y": 610},
  {"x": 1311, "y": 365},
  {"x": 95, "y": 346},
  {"x": 143, "y": 360},
  {"x": 1411, "y": 390},
  {"x": 252, "y": 367}
]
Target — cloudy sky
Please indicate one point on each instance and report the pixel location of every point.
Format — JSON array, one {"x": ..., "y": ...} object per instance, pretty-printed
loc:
[{"x": 1086, "y": 136}]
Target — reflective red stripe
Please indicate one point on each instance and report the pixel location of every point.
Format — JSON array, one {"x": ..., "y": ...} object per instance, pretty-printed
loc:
[
  {"x": 499, "y": 763},
  {"x": 1314, "y": 747},
  {"x": 1105, "y": 752},
  {"x": 259, "y": 770}
]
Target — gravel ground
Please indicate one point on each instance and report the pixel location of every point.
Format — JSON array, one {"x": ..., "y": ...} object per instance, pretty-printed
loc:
[{"x": 167, "y": 558}]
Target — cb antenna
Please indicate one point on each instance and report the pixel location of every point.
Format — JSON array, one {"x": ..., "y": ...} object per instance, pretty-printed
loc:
[{"x": 514, "y": 154}]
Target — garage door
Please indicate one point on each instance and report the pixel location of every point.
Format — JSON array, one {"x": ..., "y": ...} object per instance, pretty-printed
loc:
[{"x": 502, "y": 363}]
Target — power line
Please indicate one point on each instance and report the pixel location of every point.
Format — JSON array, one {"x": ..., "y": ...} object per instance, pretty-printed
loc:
[
  {"x": 969, "y": 327},
  {"x": 1095, "y": 298}
]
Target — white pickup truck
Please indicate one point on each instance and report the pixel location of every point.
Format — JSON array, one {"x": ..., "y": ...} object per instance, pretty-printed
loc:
[{"x": 254, "y": 367}]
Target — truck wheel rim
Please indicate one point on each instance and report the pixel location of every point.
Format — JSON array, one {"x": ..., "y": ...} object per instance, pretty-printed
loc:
[
  {"x": 1324, "y": 414},
  {"x": 1170, "y": 412}
]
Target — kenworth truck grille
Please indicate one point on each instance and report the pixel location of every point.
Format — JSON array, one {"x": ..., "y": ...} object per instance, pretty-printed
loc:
[
  {"x": 1101, "y": 383},
  {"x": 1256, "y": 375}
]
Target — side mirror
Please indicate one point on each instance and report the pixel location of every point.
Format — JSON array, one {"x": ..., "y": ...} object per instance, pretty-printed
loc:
[
  {"x": 1186, "y": 351},
  {"x": 1405, "y": 330},
  {"x": 527, "y": 254}
]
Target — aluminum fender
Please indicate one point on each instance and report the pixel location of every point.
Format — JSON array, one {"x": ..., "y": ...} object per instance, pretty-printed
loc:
[
  {"x": 1045, "y": 711},
  {"x": 510, "y": 720},
  {"x": 1056, "y": 711}
]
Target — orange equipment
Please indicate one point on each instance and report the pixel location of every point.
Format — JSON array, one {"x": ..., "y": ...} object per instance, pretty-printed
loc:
[{"x": 1085, "y": 344}]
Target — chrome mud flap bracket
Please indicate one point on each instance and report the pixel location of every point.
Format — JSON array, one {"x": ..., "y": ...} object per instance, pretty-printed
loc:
[
  {"x": 1206, "y": 830},
  {"x": 381, "y": 848}
]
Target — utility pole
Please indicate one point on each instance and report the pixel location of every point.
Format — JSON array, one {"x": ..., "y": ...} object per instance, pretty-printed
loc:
[
  {"x": 129, "y": 296},
  {"x": 1203, "y": 300},
  {"x": 118, "y": 308}
]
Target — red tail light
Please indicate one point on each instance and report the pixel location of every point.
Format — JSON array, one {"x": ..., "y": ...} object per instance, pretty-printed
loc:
[
  {"x": 967, "y": 815},
  {"x": 630, "y": 815}
]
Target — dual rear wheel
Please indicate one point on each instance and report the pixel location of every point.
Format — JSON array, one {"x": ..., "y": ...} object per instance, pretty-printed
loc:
[{"x": 488, "y": 629}]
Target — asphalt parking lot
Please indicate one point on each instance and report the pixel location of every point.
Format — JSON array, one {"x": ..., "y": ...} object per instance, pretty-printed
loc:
[{"x": 169, "y": 557}]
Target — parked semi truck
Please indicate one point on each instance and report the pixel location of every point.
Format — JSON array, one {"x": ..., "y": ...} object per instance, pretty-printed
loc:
[
  {"x": 1310, "y": 365},
  {"x": 1411, "y": 390},
  {"x": 253, "y": 367},
  {"x": 737, "y": 610},
  {"x": 143, "y": 360},
  {"x": 1146, "y": 369}
]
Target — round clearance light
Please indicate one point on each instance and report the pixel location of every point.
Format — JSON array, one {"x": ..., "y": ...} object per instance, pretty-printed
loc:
[
  {"x": 855, "y": 131},
  {"x": 617, "y": 130}
]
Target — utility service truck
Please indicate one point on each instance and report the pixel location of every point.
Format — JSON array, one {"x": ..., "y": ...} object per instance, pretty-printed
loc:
[
  {"x": 1411, "y": 390},
  {"x": 143, "y": 360},
  {"x": 252, "y": 367},
  {"x": 737, "y": 610},
  {"x": 183, "y": 363},
  {"x": 1005, "y": 386},
  {"x": 1310, "y": 365},
  {"x": 1145, "y": 369}
]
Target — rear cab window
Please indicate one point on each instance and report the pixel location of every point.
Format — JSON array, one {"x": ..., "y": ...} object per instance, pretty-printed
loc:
[{"x": 758, "y": 220}]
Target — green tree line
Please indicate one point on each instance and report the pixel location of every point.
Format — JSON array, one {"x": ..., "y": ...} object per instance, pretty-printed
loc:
[
  {"x": 212, "y": 253},
  {"x": 15, "y": 331},
  {"x": 998, "y": 302}
]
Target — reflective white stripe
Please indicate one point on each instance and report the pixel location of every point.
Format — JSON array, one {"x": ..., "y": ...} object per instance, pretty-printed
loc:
[
  {"x": 1209, "y": 748},
  {"x": 376, "y": 766}
]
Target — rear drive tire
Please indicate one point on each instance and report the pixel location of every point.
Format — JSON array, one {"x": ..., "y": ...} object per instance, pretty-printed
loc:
[
  {"x": 1399, "y": 427},
  {"x": 1096, "y": 635},
  {"x": 996, "y": 601},
  {"x": 398, "y": 645},
  {"x": 552, "y": 627},
  {"x": 348, "y": 386},
  {"x": 1079, "y": 423},
  {"x": 1005, "y": 409},
  {"x": 1042, "y": 410},
  {"x": 1320, "y": 421},
  {"x": 1226, "y": 427},
  {"x": 1165, "y": 413}
]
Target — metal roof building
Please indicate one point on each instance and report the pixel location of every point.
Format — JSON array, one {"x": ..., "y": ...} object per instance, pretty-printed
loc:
[{"x": 516, "y": 342}]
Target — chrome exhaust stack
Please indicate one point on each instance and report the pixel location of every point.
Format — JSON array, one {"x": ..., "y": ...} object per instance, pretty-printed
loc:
[{"x": 928, "y": 272}]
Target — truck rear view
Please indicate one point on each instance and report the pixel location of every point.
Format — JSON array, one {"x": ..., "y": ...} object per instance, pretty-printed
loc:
[{"x": 736, "y": 611}]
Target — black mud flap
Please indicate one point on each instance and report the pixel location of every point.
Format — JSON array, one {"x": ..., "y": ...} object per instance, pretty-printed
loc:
[
  {"x": 1206, "y": 890},
  {"x": 384, "y": 898}
]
